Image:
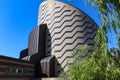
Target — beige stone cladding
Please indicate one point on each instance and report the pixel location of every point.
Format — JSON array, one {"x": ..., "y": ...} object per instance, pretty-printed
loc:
[{"x": 68, "y": 27}]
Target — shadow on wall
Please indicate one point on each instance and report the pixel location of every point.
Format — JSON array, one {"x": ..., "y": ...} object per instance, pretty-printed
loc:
[
  {"x": 48, "y": 42},
  {"x": 54, "y": 69},
  {"x": 58, "y": 69}
]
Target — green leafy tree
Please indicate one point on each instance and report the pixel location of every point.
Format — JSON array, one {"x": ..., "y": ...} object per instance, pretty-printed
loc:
[
  {"x": 102, "y": 65},
  {"x": 110, "y": 15},
  {"x": 97, "y": 67}
]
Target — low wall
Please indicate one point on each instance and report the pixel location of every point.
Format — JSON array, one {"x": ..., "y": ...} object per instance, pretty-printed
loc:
[
  {"x": 29, "y": 79},
  {"x": 50, "y": 79}
]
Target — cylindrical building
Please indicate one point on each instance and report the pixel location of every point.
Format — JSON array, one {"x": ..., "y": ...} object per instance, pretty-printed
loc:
[{"x": 68, "y": 27}]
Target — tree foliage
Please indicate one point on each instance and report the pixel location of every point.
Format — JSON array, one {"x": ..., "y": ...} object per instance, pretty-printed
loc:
[
  {"x": 102, "y": 65},
  {"x": 98, "y": 67},
  {"x": 110, "y": 12},
  {"x": 110, "y": 15}
]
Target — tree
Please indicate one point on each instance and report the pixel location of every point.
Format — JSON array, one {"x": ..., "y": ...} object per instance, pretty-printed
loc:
[
  {"x": 102, "y": 65},
  {"x": 98, "y": 67},
  {"x": 110, "y": 14}
]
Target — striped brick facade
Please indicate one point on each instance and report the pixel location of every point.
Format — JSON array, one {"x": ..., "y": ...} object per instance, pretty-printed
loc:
[{"x": 68, "y": 27}]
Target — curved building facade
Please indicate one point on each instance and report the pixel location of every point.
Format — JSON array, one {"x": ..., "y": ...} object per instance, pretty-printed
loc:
[{"x": 68, "y": 28}]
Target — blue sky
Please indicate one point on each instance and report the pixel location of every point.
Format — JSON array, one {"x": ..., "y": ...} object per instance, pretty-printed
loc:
[{"x": 19, "y": 17}]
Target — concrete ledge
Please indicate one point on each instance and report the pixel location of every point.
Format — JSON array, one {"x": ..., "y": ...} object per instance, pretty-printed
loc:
[
  {"x": 29, "y": 78},
  {"x": 16, "y": 79},
  {"x": 50, "y": 79}
]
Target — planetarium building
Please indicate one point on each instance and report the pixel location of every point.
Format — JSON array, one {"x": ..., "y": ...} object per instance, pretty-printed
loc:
[
  {"x": 61, "y": 29},
  {"x": 68, "y": 27}
]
